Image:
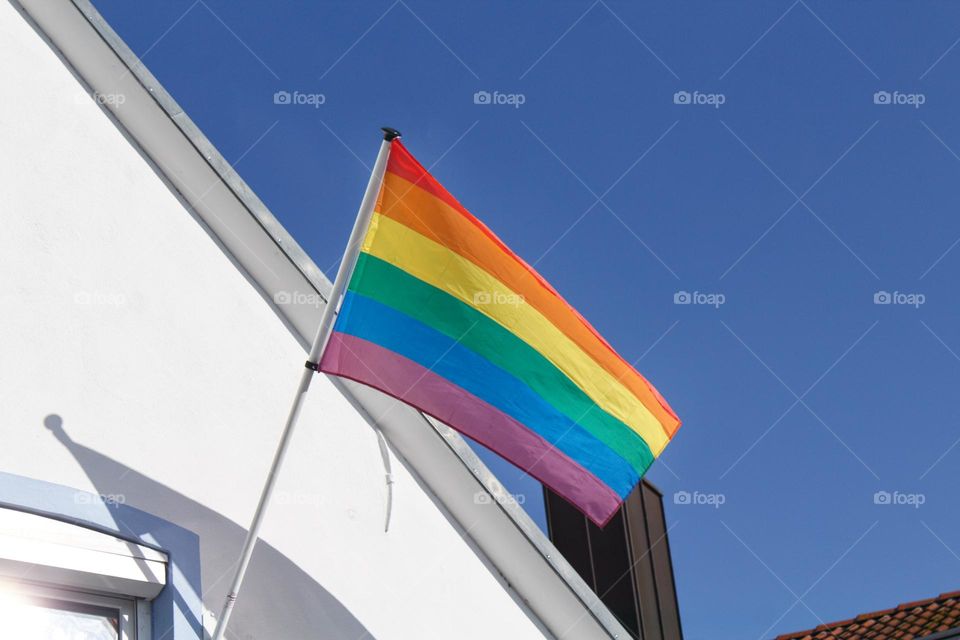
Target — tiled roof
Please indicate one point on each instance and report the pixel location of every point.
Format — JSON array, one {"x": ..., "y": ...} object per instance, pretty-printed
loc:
[{"x": 909, "y": 621}]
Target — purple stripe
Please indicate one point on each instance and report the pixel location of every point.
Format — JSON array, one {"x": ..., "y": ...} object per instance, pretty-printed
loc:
[{"x": 372, "y": 365}]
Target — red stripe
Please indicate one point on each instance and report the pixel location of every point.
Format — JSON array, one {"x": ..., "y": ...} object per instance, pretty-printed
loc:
[{"x": 374, "y": 366}]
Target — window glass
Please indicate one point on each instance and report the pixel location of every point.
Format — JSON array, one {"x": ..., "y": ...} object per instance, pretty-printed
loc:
[{"x": 25, "y": 616}]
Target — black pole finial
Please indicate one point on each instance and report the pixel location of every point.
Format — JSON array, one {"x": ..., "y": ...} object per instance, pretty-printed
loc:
[{"x": 390, "y": 133}]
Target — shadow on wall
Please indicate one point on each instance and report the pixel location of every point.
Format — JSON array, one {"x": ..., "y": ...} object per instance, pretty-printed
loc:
[{"x": 279, "y": 600}]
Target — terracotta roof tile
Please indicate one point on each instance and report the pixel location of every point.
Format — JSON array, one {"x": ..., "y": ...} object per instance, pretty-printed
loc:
[{"x": 908, "y": 621}]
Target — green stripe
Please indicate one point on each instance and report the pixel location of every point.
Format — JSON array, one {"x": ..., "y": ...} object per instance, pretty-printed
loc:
[{"x": 390, "y": 285}]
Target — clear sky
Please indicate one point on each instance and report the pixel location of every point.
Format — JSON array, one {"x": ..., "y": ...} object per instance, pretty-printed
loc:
[{"x": 779, "y": 183}]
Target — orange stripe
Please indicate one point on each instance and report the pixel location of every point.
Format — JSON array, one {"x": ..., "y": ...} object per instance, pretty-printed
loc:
[{"x": 414, "y": 198}]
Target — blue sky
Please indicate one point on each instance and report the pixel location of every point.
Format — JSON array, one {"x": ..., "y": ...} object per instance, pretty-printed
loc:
[{"x": 794, "y": 202}]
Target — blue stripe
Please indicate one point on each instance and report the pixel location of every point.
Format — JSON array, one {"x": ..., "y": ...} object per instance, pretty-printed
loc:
[{"x": 370, "y": 320}]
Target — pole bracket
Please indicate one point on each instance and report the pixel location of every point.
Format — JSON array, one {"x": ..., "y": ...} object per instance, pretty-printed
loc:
[{"x": 315, "y": 366}]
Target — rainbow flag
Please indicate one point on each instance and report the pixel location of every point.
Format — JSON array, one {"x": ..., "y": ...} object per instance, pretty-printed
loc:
[{"x": 442, "y": 315}]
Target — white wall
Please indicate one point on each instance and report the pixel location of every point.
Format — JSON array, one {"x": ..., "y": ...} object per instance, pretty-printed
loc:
[{"x": 173, "y": 375}]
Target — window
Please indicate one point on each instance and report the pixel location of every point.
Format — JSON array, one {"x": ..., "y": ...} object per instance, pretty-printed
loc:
[
  {"x": 64, "y": 581},
  {"x": 35, "y": 612}
]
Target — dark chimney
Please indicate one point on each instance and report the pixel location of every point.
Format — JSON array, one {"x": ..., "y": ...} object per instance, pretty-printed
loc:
[{"x": 627, "y": 563}]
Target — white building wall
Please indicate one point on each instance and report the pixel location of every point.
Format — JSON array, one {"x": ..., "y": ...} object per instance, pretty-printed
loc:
[{"x": 172, "y": 377}]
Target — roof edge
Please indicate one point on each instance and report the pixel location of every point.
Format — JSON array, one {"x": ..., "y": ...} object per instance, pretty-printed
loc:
[{"x": 211, "y": 155}]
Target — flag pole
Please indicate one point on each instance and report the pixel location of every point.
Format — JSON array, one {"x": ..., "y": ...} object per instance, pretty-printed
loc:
[{"x": 312, "y": 365}]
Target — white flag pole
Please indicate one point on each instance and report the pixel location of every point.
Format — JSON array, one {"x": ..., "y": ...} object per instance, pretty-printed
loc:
[{"x": 319, "y": 344}]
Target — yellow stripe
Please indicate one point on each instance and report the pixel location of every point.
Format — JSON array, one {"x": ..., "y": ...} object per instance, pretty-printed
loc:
[{"x": 446, "y": 270}]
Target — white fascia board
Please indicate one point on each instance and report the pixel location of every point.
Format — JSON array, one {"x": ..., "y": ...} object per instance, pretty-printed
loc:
[{"x": 502, "y": 532}]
